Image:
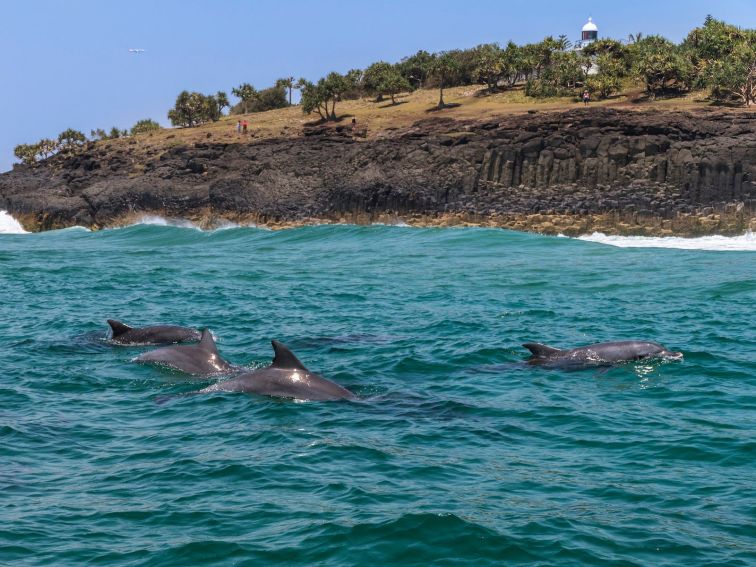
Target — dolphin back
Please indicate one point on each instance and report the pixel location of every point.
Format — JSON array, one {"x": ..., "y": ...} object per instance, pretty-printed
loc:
[
  {"x": 207, "y": 342},
  {"x": 118, "y": 328},
  {"x": 539, "y": 350},
  {"x": 284, "y": 358}
]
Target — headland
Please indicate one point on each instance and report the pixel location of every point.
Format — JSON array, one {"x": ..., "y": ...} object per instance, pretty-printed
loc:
[{"x": 615, "y": 167}]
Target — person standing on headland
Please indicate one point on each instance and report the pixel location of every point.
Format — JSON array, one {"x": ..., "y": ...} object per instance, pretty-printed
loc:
[
  {"x": 244, "y": 127},
  {"x": 238, "y": 126},
  {"x": 586, "y": 97}
]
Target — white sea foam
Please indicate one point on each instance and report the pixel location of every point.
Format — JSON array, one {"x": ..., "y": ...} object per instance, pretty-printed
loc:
[
  {"x": 76, "y": 228},
  {"x": 162, "y": 221},
  {"x": 227, "y": 224},
  {"x": 156, "y": 220},
  {"x": 9, "y": 225},
  {"x": 745, "y": 241}
]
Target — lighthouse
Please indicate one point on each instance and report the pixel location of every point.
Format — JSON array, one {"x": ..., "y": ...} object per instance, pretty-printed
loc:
[{"x": 589, "y": 33}]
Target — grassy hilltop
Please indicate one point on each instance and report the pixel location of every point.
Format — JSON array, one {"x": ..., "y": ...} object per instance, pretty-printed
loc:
[
  {"x": 379, "y": 119},
  {"x": 714, "y": 65}
]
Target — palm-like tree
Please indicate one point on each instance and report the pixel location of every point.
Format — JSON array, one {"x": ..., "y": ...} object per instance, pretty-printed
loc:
[
  {"x": 246, "y": 93},
  {"x": 287, "y": 83},
  {"x": 221, "y": 99},
  {"x": 562, "y": 43},
  {"x": 443, "y": 67}
]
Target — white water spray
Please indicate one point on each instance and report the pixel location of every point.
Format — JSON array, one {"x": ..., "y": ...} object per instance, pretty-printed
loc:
[
  {"x": 9, "y": 225},
  {"x": 745, "y": 242}
]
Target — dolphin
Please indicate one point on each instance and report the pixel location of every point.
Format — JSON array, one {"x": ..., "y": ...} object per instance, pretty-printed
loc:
[
  {"x": 201, "y": 359},
  {"x": 600, "y": 354},
  {"x": 155, "y": 335},
  {"x": 286, "y": 377}
]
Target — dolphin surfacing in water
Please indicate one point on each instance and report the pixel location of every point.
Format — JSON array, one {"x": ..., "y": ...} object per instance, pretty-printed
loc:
[
  {"x": 122, "y": 334},
  {"x": 201, "y": 359},
  {"x": 286, "y": 377},
  {"x": 599, "y": 354}
]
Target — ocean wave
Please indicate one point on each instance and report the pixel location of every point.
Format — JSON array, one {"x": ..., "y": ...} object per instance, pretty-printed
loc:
[
  {"x": 9, "y": 225},
  {"x": 76, "y": 228},
  {"x": 744, "y": 242},
  {"x": 157, "y": 220},
  {"x": 163, "y": 221}
]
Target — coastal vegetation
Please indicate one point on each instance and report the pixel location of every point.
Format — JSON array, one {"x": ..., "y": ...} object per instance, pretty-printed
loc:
[
  {"x": 193, "y": 108},
  {"x": 262, "y": 101},
  {"x": 715, "y": 64},
  {"x": 68, "y": 141}
]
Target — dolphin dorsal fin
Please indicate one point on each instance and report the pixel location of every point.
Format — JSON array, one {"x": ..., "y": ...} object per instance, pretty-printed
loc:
[
  {"x": 541, "y": 351},
  {"x": 284, "y": 358},
  {"x": 207, "y": 342},
  {"x": 118, "y": 327}
]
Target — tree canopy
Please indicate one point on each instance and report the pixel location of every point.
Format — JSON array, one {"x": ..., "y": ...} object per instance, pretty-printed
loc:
[
  {"x": 246, "y": 93},
  {"x": 715, "y": 56},
  {"x": 444, "y": 68},
  {"x": 144, "y": 126},
  {"x": 266, "y": 99},
  {"x": 193, "y": 108},
  {"x": 70, "y": 139},
  {"x": 382, "y": 79},
  {"x": 321, "y": 97}
]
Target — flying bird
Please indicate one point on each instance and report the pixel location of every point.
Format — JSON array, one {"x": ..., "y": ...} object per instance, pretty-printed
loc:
[{"x": 134, "y": 50}]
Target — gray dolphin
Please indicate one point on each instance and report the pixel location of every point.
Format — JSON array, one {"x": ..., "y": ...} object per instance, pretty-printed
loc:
[
  {"x": 286, "y": 377},
  {"x": 153, "y": 335},
  {"x": 201, "y": 359},
  {"x": 600, "y": 354}
]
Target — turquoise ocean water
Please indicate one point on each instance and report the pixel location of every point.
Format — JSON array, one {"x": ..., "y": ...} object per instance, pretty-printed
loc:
[{"x": 456, "y": 453}]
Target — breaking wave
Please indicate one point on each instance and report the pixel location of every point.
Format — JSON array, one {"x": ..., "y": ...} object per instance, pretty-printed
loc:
[
  {"x": 157, "y": 220},
  {"x": 9, "y": 225},
  {"x": 745, "y": 242}
]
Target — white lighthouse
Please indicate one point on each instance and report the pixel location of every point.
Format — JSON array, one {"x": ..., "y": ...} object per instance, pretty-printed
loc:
[{"x": 589, "y": 34}]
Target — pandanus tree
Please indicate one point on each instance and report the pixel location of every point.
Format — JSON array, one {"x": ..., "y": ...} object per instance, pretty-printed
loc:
[
  {"x": 289, "y": 83},
  {"x": 382, "y": 78},
  {"x": 246, "y": 93},
  {"x": 489, "y": 64},
  {"x": 71, "y": 139},
  {"x": 221, "y": 100},
  {"x": 393, "y": 84},
  {"x": 27, "y": 153},
  {"x": 735, "y": 75},
  {"x": 415, "y": 68},
  {"x": 373, "y": 77},
  {"x": 193, "y": 108},
  {"x": 443, "y": 68},
  {"x": 321, "y": 97}
]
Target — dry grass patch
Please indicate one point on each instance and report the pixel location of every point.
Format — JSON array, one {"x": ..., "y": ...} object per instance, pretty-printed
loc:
[{"x": 381, "y": 118}]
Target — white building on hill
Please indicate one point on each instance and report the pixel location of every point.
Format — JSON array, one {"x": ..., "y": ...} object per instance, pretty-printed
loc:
[{"x": 588, "y": 35}]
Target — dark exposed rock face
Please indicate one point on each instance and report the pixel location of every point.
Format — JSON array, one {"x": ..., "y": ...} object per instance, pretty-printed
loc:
[{"x": 630, "y": 164}]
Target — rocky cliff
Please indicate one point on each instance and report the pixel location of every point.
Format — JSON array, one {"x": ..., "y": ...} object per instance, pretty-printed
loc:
[{"x": 619, "y": 171}]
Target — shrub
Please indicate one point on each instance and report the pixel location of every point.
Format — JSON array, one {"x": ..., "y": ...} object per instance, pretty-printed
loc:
[
  {"x": 144, "y": 126},
  {"x": 71, "y": 140},
  {"x": 194, "y": 108},
  {"x": 662, "y": 66},
  {"x": 27, "y": 153}
]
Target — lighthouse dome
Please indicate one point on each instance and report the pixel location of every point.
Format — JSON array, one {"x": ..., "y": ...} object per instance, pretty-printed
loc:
[{"x": 590, "y": 26}]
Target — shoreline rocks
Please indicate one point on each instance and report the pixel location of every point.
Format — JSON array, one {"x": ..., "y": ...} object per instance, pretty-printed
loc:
[{"x": 624, "y": 172}]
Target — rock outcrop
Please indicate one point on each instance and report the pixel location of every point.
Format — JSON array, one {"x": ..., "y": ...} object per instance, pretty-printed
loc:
[{"x": 621, "y": 171}]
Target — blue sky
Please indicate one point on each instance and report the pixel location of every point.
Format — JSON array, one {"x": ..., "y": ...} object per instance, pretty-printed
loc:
[{"x": 65, "y": 63}]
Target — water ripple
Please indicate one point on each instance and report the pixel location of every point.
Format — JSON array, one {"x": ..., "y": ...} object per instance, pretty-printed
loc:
[{"x": 456, "y": 452}]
